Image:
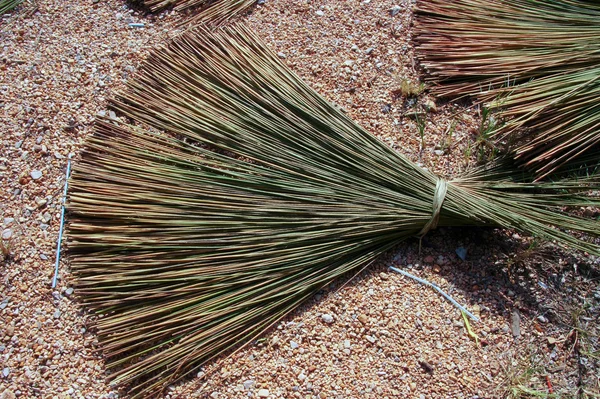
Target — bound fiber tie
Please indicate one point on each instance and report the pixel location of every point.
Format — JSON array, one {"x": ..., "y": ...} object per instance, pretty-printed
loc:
[{"x": 438, "y": 199}]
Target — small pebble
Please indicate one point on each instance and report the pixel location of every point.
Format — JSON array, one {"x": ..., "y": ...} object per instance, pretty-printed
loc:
[
  {"x": 327, "y": 318},
  {"x": 515, "y": 325},
  {"x": 263, "y": 393},
  {"x": 36, "y": 174},
  {"x": 7, "y": 234},
  {"x": 395, "y": 10},
  {"x": 248, "y": 384},
  {"x": 462, "y": 253},
  {"x": 57, "y": 314},
  {"x": 320, "y": 13},
  {"x": 294, "y": 345},
  {"x": 5, "y": 371},
  {"x": 281, "y": 55},
  {"x": 69, "y": 291}
]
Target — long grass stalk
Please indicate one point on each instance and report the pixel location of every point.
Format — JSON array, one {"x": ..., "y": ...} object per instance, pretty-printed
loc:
[
  {"x": 536, "y": 62},
  {"x": 249, "y": 193}
]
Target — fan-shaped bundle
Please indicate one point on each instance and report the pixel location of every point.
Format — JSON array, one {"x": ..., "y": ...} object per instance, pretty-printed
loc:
[
  {"x": 204, "y": 11},
  {"x": 536, "y": 62},
  {"x": 238, "y": 193}
]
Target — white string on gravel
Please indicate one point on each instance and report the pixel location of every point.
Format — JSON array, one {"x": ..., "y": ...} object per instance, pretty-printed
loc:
[
  {"x": 62, "y": 222},
  {"x": 438, "y": 289}
]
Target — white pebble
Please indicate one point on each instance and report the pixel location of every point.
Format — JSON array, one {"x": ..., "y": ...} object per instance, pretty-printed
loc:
[
  {"x": 327, "y": 318},
  {"x": 7, "y": 234},
  {"x": 36, "y": 174},
  {"x": 263, "y": 393}
]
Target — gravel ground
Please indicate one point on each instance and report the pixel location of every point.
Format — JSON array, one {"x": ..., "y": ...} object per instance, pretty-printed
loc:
[{"x": 382, "y": 334}]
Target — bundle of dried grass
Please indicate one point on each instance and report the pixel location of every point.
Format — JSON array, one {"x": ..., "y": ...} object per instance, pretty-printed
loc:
[
  {"x": 250, "y": 193},
  {"x": 204, "y": 11},
  {"x": 535, "y": 62}
]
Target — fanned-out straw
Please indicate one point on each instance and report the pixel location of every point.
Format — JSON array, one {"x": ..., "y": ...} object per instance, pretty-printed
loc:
[
  {"x": 249, "y": 195},
  {"x": 204, "y": 11},
  {"x": 534, "y": 62}
]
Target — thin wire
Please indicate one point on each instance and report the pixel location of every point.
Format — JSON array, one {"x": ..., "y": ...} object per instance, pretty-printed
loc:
[
  {"x": 62, "y": 222},
  {"x": 438, "y": 289}
]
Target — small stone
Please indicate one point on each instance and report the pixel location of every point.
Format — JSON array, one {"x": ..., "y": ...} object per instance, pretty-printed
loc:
[
  {"x": 46, "y": 217},
  {"x": 428, "y": 259},
  {"x": 461, "y": 252},
  {"x": 354, "y": 47},
  {"x": 347, "y": 344},
  {"x": 69, "y": 291},
  {"x": 8, "y": 394},
  {"x": 552, "y": 341},
  {"x": 7, "y": 234},
  {"x": 363, "y": 319},
  {"x": 294, "y": 345},
  {"x": 369, "y": 50},
  {"x": 44, "y": 226},
  {"x": 8, "y": 221},
  {"x": 301, "y": 377},
  {"x": 430, "y": 105},
  {"x": 214, "y": 395},
  {"x": 413, "y": 386},
  {"x": 438, "y": 152},
  {"x": 263, "y": 393},
  {"x": 57, "y": 314},
  {"x": 515, "y": 324},
  {"x": 370, "y": 338},
  {"x": 5, "y": 371},
  {"x": 542, "y": 319},
  {"x": 327, "y": 318},
  {"x": 281, "y": 54},
  {"x": 36, "y": 174},
  {"x": 248, "y": 384},
  {"x": 395, "y": 10},
  {"x": 436, "y": 268},
  {"x": 348, "y": 63},
  {"x": 320, "y": 13},
  {"x": 43, "y": 257},
  {"x": 261, "y": 2}
]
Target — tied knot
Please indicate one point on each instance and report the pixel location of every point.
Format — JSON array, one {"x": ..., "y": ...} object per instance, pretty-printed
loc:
[{"x": 439, "y": 196}]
